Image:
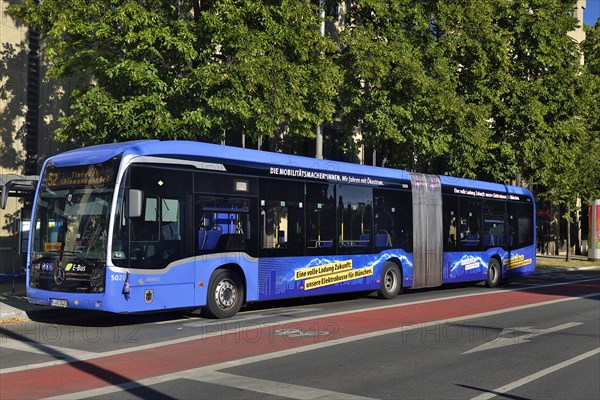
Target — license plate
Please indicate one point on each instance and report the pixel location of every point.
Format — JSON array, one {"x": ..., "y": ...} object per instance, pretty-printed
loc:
[{"x": 59, "y": 303}]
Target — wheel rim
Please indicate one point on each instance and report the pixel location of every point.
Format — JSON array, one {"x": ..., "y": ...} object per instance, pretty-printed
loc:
[
  {"x": 390, "y": 280},
  {"x": 225, "y": 294},
  {"x": 493, "y": 273}
]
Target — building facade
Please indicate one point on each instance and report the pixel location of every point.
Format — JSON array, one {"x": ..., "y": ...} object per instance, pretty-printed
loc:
[{"x": 28, "y": 111}]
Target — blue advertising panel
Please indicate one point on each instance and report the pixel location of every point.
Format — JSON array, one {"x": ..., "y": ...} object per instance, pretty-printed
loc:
[{"x": 286, "y": 277}]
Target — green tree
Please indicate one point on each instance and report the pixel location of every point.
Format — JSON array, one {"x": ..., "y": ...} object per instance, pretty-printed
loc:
[
  {"x": 591, "y": 48},
  {"x": 542, "y": 115},
  {"x": 190, "y": 69},
  {"x": 395, "y": 90},
  {"x": 476, "y": 48},
  {"x": 421, "y": 78},
  {"x": 538, "y": 110},
  {"x": 589, "y": 159},
  {"x": 472, "y": 88}
]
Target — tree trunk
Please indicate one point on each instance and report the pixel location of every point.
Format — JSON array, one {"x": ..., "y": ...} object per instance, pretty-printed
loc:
[
  {"x": 556, "y": 221},
  {"x": 568, "y": 257},
  {"x": 578, "y": 227}
]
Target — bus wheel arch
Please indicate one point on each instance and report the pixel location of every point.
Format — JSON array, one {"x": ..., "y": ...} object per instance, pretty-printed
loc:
[
  {"x": 391, "y": 279},
  {"x": 494, "y": 273},
  {"x": 226, "y": 292}
]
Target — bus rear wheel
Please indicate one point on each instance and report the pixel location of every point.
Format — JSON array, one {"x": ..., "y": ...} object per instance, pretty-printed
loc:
[
  {"x": 225, "y": 295},
  {"x": 494, "y": 276},
  {"x": 391, "y": 281}
]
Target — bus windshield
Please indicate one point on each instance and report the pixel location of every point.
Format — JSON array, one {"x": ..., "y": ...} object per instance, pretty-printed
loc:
[
  {"x": 72, "y": 222},
  {"x": 72, "y": 214}
]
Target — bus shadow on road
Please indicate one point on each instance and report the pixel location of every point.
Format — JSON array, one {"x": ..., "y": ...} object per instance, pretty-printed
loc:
[{"x": 112, "y": 378}]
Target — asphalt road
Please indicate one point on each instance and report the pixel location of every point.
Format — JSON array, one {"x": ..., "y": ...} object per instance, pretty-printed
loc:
[{"x": 537, "y": 337}]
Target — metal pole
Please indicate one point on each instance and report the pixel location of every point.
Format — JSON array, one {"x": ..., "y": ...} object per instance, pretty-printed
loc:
[{"x": 319, "y": 130}]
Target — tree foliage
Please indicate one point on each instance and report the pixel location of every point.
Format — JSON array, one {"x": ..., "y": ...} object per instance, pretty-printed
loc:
[
  {"x": 474, "y": 88},
  {"x": 188, "y": 69},
  {"x": 411, "y": 80},
  {"x": 569, "y": 158},
  {"x": 491, "y": 89},
  {"x": 589, "y": 157}
]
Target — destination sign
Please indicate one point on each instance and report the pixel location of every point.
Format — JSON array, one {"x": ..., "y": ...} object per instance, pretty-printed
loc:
[{"x": 97, "y": 175}]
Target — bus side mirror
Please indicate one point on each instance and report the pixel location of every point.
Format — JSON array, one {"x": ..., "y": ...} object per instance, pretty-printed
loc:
[
  {"x": 136, "y": 198},
  {"x": 18, "y": 188}
]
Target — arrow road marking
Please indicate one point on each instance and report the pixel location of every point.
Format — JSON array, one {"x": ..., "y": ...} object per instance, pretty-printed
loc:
[{"x": 518, "y": 335}]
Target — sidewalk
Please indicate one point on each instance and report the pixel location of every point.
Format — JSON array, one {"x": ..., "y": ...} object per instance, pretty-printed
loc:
[
  {"x": 14, "y": 306},
  {"x": 13, "y": 301}
]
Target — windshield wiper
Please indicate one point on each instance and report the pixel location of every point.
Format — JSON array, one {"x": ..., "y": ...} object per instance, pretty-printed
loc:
[
  {"x": 39, "y": 257},
  {"x": 46, "y": 189}
]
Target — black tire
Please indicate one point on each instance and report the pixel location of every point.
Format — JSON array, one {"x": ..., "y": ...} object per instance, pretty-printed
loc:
[
  {"x": 494, "y": 275},
  {"x": 391, "y": 281},
  {"x": 225, "y": 295}
]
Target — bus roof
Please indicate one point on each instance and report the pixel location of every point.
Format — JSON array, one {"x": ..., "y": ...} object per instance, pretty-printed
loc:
[{"x": 215, "y": 152}]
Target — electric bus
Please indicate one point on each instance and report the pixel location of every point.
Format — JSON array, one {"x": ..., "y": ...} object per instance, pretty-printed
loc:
[{"x": 153, "y": 225}]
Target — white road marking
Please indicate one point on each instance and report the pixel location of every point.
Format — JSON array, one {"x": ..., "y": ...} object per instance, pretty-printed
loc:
[
  {"x": 530, "y": 378},
  {"x": 275, "y": 388},
  {"x": 45, "y": 349},
  {"x": 243, "y": 317},
  {"x": 195, "y": 373},
  {"x": 502, "y": 340},
  {"x": 211, "y": 376}
]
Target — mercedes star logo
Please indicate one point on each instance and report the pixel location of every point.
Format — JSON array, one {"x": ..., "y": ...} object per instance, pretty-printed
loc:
[{"x": 59, "y": 276}]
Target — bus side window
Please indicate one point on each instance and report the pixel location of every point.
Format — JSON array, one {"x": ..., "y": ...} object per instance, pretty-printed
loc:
[
  {"x": 170, "y": 221},
  {"x": 320, "y": 218},
  {"x": 493, "y": 223},
  {"x": 355, "y": 219},
  {"x": 520, "y": 222},
  {"x": 225, "y": 224},
  {"x": 158, "y": 235},
  {"x": 145, "y": 227},
  {"x": 275, "y": 224},
  {"x": 392, "y": 219},
  {"x": 451, "y": 222},
  {"x": 470, "y": 224},
  {"x": 281, "y": 217}
]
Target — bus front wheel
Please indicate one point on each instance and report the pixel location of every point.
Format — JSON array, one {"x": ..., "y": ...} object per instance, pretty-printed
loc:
[
  {"x": 391, "y": 281},
  {"x": 494, "y": 276},
  {"x": 225, "y": 295}
]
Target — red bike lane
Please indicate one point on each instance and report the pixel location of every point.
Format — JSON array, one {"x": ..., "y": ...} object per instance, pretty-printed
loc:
[{"x": 254, "y": 341}]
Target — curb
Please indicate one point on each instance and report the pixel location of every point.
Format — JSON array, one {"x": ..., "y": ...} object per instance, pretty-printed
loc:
[
  {"x": 12, "y": 314},
  {"x": 546, "y": 270}
]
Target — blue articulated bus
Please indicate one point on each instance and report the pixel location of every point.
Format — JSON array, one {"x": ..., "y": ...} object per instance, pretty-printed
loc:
[{"x": 152, "y": 225}]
